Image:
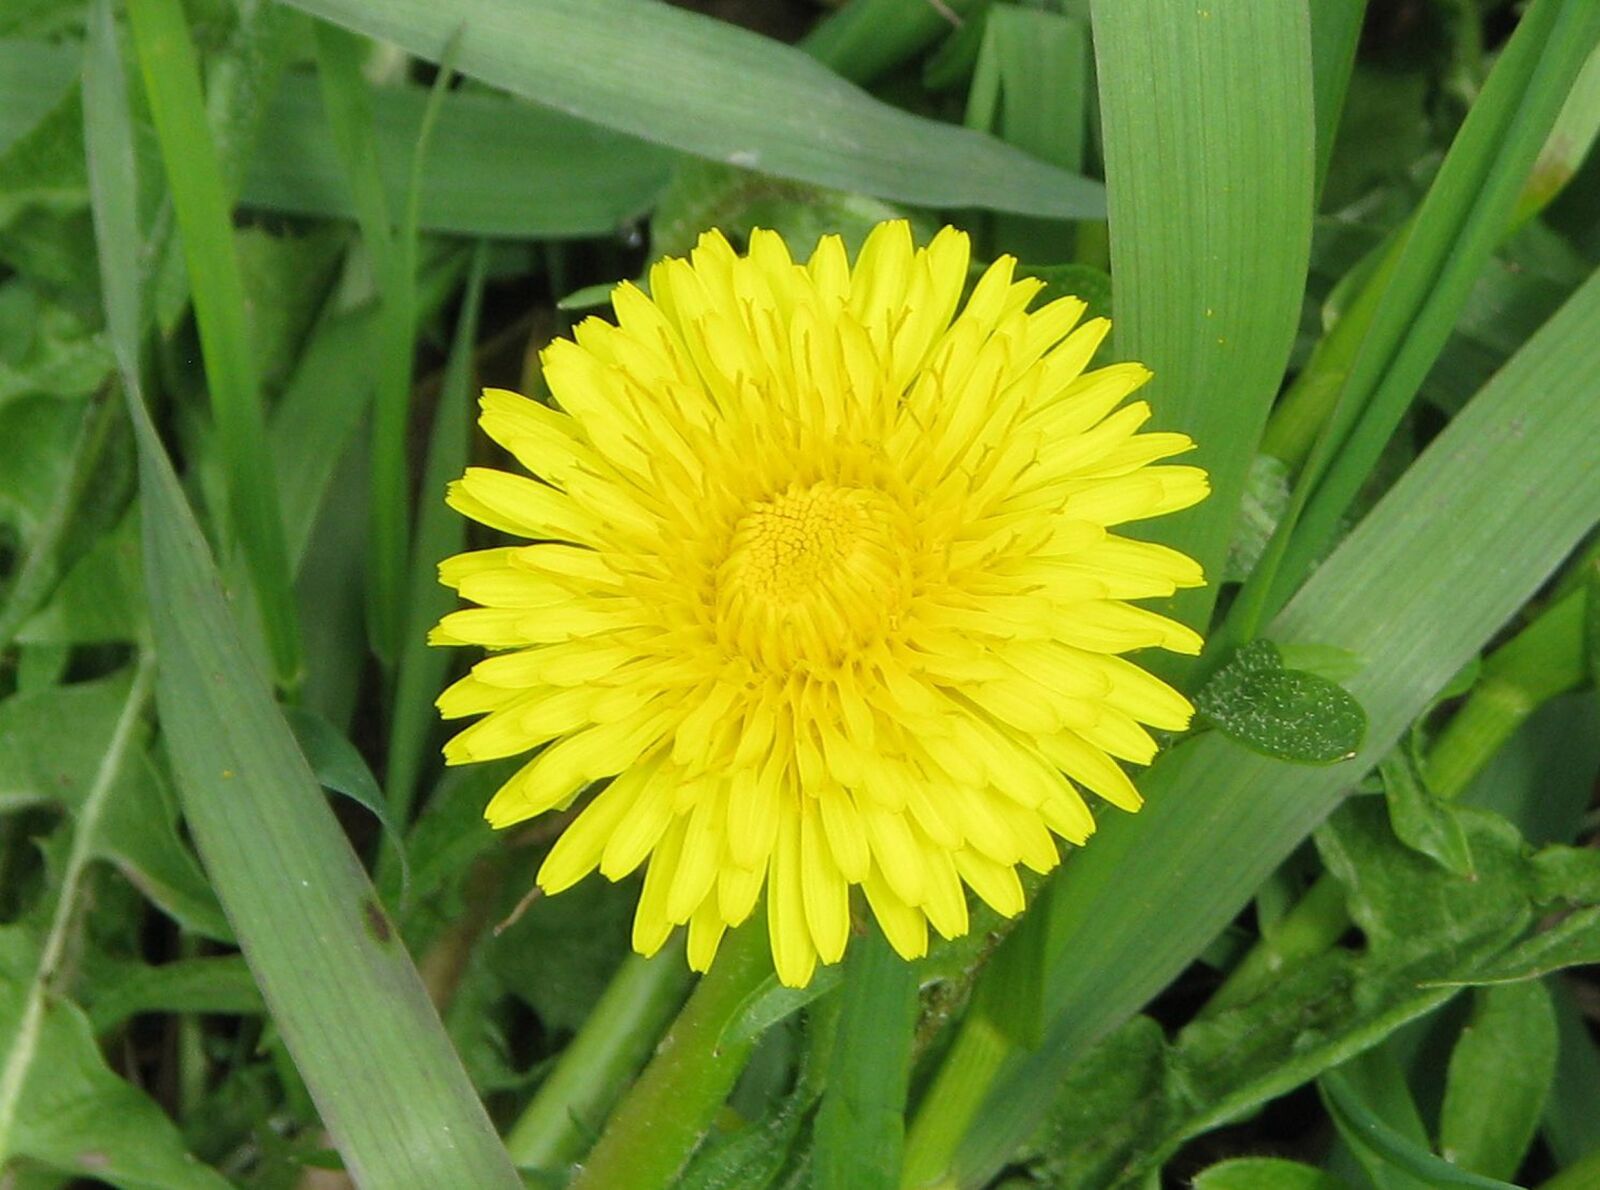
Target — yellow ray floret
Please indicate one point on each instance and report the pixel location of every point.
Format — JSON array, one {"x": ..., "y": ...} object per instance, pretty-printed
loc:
[{"x": 822, "y": 577}]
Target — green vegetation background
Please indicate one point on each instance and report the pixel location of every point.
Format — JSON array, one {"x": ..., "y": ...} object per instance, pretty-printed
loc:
[{"x": 254, "y": 259}]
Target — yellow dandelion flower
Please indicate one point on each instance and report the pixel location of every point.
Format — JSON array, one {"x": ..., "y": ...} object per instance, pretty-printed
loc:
[{"x": 821, "y": 581}]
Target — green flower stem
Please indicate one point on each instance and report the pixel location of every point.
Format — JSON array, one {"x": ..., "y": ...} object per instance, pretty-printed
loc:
[
  {"x": 963, "y": 1082},
  {"x": 1543, "y": 660},
  {"x": 1311, "y": 928},
  {"x": 665, "y": 1113},
  {"x": 616, "y": 1038}
]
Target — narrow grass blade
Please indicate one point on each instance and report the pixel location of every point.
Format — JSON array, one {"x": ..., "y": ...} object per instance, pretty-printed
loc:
[
  {"x": 860, "y": 1127},
  {"x": 867, "y": 38},
  {"x": 1371, "y": 1131},
  {"x": 1207, "y": 118},
  {"x": 671, "y": 76},
  {"x": 1335, "y": 33},
  {"x": 334, "y": 973},
  {"x": 172, "y": 82},
  {"x": 1031, "y": 88},
  {"x": 1461, "y": 221},
  {"x": 393, "y": 253},
  {"x": 1461, "y": 542},
  {"x": 339, "y": 984},
  {"x": 440, "y": 533}
]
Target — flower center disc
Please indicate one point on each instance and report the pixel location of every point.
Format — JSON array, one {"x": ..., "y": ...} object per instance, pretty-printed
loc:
[{"x": 812, "y": 575}]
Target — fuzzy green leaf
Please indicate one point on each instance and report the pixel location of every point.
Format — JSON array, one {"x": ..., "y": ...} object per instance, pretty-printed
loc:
[{"x": 1284, "y": 713}]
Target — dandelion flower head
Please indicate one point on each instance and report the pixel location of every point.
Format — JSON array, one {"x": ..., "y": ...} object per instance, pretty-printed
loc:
[{"x": 820, "y": 576}]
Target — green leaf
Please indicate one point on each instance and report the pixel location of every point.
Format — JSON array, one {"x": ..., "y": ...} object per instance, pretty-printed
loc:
[
  {"x": 117, "y": 991},
  {"x": 60, "y": 1105},
  {"x": 1572, "y": 1115},
  {"x": 1568, "y": 144},
  {"x": 1265, "y": 1173},
  {"x": 338, "y": 766},
  {"x": 1030, "y": 87},
  {"x": 1117, "y": 1100},
  {"x": 1421, "y": 820},
  {"x": 52, "y": 742},
  {"x": 1209, "y": 272},
  {"x": 100, "y": 599},
  {"x": 771, "y": 1003},
  {"x": 498, "y": 167},
  {"x": 45, "y": 346},
  {"x": 1572, "y": 942},
  {"x": 753, "y": 1157},
  {"x": 194, "y": 174},
  {"x": 665, "y": 75},
  {"x": 863, "y": 39},
  {"x": 1501, "y": 1071},
  {"x": 391, "y": 1091},
  {"x": 560, "y": 954},
  {"x": 286, "y": 276},
  {"x": 1366, "y": 1129},
  {"x": 1335, "y": 34},
  {"x": 440, "y": 533},
  {"x": 860, "y": 1127},
  {"x": 1374, "y": 1084},
  {"x": 1285, "y": 713}
]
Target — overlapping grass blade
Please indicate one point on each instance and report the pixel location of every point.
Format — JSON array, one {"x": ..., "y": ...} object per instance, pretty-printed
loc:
[
  {"x": 1463, "y": 218},
  {"x": 1454, "y": 549},
  {"x": 393, "y": 252},
  {"x": 1335, "y": 32},
  {"x": 866, "y": 38},
  {"x": 496, "y": 167},
  {"x": 860, "y": 1128},
  {"x": 194, "y": 175},
  {"x": 440, "y": 533},
  {"x": 340, "y": 985},
  {"x": 1211, "y": 234},
  {"x": 708, "y": 88}
]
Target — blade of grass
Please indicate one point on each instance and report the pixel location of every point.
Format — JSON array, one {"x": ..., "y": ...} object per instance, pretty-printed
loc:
[
  {"x": 1474, "y": 527},
  {"x": 393, "y": 253},
  {"x": 1335, "y": 33},
  {"x": 325, "y": 399},
  {"x": 1364, "y": 1127},
  {"x": 860, "y": 1128},
  {"x": 172, "y": 82},
  {"x": 497, "y": 167},
  {"x": 868, "y": 38},
  {"x": 1461, "y": 220},
  {"x": 670, "y": 77},
  {"x": 440, "y": 533},
  {"x": 1207, "y": 123},
  {"x": 340, "y": 986},
  {"x": 1031, "y": 88}
]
